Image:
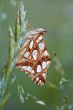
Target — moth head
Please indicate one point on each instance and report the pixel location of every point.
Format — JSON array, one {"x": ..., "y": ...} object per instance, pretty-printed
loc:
[{"x": 36, "y": 32}]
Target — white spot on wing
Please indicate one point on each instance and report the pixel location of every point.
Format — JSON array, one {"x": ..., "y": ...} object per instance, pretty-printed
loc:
[
  {"x": 31, "y": 44},
  {"x": 46, "y": 53},
  {"x": 37, "y": 78},
  {"x": 41, "y": 46},
  {"x": 34, "y": 54},
  {"x": 48, "y": 62},
  {"x": 44, "y": 64},
  {"x": 39, "y": 39},
  {"x": 39, "y": 69},
  {"x": 24, "y": 67},
  {"x": 44, "y": 75},
  {"x": 40, "y": 81},
  {"x": 32, "y": 71},
  {"x": 29, "y": 68},
  {"x": 26, "y": 54}
]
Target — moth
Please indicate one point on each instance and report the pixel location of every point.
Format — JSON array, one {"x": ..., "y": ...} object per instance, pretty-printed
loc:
[{"x": 34, "y": 58}]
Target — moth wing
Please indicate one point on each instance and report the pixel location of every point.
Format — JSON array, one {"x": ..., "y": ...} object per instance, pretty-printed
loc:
[{"x": 34, "y": 59}]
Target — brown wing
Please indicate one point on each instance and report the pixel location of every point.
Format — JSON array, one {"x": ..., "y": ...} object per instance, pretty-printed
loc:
[
  {"x": 34, "y": 59},
  {"x": 42, "y": 63}
]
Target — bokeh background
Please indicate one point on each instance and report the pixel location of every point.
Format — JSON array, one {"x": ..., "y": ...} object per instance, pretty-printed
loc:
[{"x": 57, "y": 17}]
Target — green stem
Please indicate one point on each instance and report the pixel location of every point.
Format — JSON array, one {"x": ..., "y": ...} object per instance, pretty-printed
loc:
[
  {"x": 4, "y": 101},
  {"x": 20, "y": 25}
]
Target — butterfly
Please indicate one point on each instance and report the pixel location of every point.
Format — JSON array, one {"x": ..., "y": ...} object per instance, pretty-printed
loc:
[{"x": 34, "y": 58}]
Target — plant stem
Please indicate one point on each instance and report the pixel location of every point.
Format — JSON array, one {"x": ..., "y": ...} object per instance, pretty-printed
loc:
[{"x": 14, "y": 40}]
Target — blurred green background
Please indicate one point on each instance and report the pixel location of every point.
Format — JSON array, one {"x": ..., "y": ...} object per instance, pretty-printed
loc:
[{"x": 57, "y": 17}]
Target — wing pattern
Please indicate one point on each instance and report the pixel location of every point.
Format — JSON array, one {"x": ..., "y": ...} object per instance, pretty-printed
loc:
[{"x": 34, "y": 58}]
